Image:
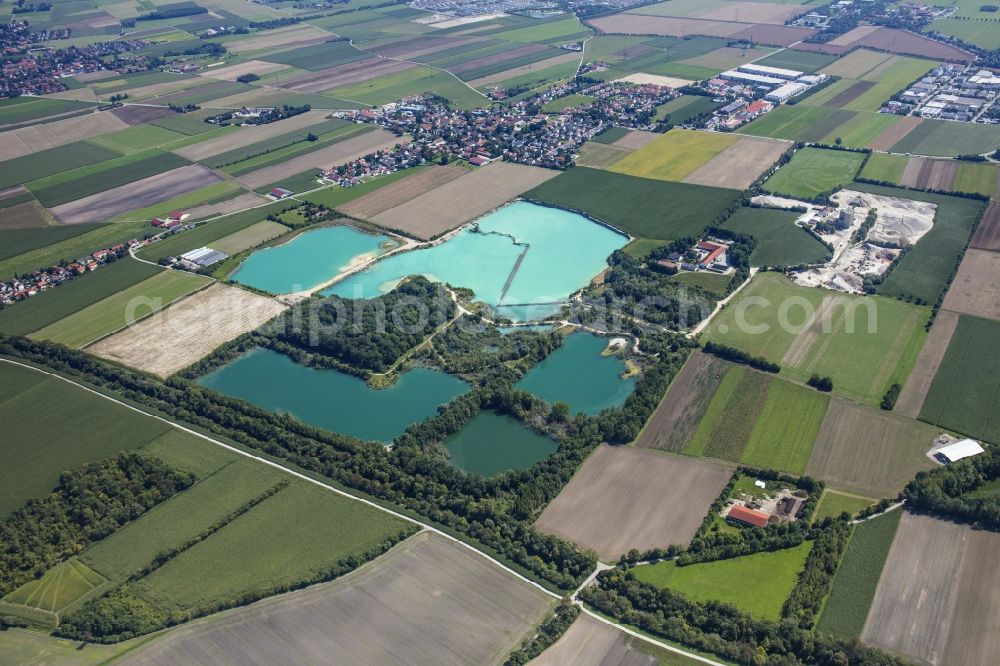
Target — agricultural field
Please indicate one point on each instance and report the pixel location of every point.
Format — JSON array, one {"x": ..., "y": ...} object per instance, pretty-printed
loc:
[
  {"x": 963, "y": 396},
  {"x": 779, "y": 241},
  {"x": 975, "y": 290},
  {"x": 676, "y": 419},
  {"x": 590, "y": 642},
  {"x": 54, "y": 160},
  {"x": 757, "y": 584},
  {"x": 208, "y": 232},
  {"x": 854, "y": 585},
  {"x": 740, "y": 165},
  {"x": 798, "y": 123},
  {"x": 398, "y": 192},
  {"x": 941, "y": 138},
  {"x": 18, "y": 239},
  {"x": 911, "y": 398},
  {"x": 813, "y": 171},
  {"x": 868, "y": 90},
  {"x": 713, "y": 283},
  {"x": 922, "y": 275},
  {"x": 933, "y": 616},
  {"x": 58, "y": 587},
  {"x": 674, "y": 155},
  {"x": 250, "y": 237},
  {"x": 60, "y": 302},
  {"x": 457, "y": 201},
  {"x": 885, "y": 167},
  {"x": 725, "y": 428},
  {"x": 834, "y": 503},
  {"x": 38, "y": 448},
  {"x": 864, "y": 344},
  {"x": 641, "y": 207},
  {"x": 121, "y": 309},
  {"x": 411, "y": 602},
  {"x": 609, "y": 504},
  {"x": 987, "y": 236},
  {"x": 868, "y": 451}
]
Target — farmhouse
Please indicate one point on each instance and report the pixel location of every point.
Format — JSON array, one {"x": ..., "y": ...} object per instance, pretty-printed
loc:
[
  {"x": 740, "y": 514},
  {"x": 965, "y": 448},
  {"x": 280, "y": 193}
]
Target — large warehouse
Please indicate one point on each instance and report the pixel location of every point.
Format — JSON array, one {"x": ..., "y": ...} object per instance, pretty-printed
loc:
[{"x": 965, "y": 448}]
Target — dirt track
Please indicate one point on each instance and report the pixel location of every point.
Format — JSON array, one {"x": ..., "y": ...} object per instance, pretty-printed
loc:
[
  {"x": 463, "y": 199},
  {"x": 676, "y": 419},
  {"x": 911, "y": 399},
  {"x": 401, "y": 191},
  {"x": 624, "y": 498},
  {"x": 188, "y": 330},
  {"x": 938, "y": 601},
  {"x": 109, "y": 204},
  {"x": 333, "y": 155},
  {"x": 427, "y": 601}
]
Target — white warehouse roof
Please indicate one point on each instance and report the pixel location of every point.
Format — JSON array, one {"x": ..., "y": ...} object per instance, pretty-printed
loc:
[
  {"x": 963, "y": 449},
  {"x": 756, "y": 78},
  {"x": 785, "y": 91},
  {"x": 778, "y": 72}
]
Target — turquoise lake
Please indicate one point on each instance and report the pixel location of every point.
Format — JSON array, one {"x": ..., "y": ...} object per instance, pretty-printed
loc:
[
  {"x": 579, "y": 375},
  {"x": 522, "y": 254},
  {"x": 490, "y": 444},
  {"x": 333, "y": 400},
  {"x": 309, "y": 259}
]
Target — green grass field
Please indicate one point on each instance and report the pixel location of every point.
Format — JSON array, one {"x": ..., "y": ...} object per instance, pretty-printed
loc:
[
  {"x": 58, "y": 587},
  {"x": 981, "y": 33},
  {"x": 52, "y": 161},
  {"x": 545, "y": 31},
  {"x": 50, "y": 306},
  {"x": 798, "y": 123},
  {"x": 865, "y": 344},
  {"x": 26, "y": 109},
  {"x": 37, "y": 448},
  {"x": 319, "y": 56},
  {"x": 78, "y": 183},
  {"x": 779, "y": 241},
  {"x": 611, "y": 135},
  {"x": 854, "y": 586},
  {"x": 639, "y": 206},
  {"x": 803, "y": 61},
  {"x": 835, "y": 503},
  {"x": 757, "y": 584},
  {"x": 923, "y": 273},
  {"x": 885, "y": 167},
  {"x": 16, "y": 242},
  {"x": 786, "y": 430},
  {"x": 391, "y": 87},
  {"x": 861, "y": 129},
  {"x": 120, "y": 309},
  {"x": 944, "y": 138},
  {"x": 965, "y": 394},
  {"x": 726, "y": 427},
  {"x": 293, "y": 535},
  {"x": 813, "y": 171},
  {"x": 710, "y": 282},
  {"x": 976, "y": 177},
  {"x": 674, "y": 155},
  {"x": 136, "y": 139}
]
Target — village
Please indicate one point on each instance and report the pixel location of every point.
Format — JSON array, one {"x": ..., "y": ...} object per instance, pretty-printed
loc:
[{"x": 25, "y": 286}]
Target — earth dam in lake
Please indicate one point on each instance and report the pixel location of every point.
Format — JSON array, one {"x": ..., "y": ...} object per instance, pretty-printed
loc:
[
  {"x": 490, "y": 443},
  {"x": 331, "y": 399},
  {"x": 523, "y": 259},
  {"x": 309, "y": 259},
  {"x": 578, "y": 374}
]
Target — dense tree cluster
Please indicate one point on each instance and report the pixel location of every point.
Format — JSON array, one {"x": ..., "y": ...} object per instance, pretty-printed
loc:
[
  {"x": 819, "y": 383},
  {"x": 945, "y": 491},
  {"x": 738, "y": 356},
  {"x": 890, "y": 397},
  {"x": 548, "y": 633},
  {"x": 369, "y": 334},
  {"x": 471, "y": 347},
  {"x": 816, "y": 578},
  {"x": 720, "y": 628},
  {"x": 87, "y": 505}
]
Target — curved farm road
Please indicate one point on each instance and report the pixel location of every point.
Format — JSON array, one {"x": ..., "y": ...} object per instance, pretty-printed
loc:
[{"x": 332, "y": 489}]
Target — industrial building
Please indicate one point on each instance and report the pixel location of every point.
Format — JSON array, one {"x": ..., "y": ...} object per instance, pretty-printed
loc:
[
  {"x": 772, "y": 72},
  {"x": 965, "y": 448},
  {"x": 204, "y": 256},
  {"x": 785, "y": 92},
  {"x": 746, "y": 77}
]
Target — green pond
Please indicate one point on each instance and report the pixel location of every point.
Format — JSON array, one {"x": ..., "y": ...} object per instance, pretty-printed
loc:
[
  {"x": 523, "y": 259},
  {"x": 578, "y": 374},
  {"x": 309, "y": 259},
  {"x": 490, "y": 444},
  {"x": 334, "y": 400}
]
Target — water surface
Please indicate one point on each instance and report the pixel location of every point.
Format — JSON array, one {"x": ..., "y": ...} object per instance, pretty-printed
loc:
[
  {"x": 309, "y": 259},
  {"x": 491, "y": 443},
  {"x": 331, "y": 399}
]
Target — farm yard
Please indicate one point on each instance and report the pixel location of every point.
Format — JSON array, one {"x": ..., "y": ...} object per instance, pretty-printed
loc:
[
  {"x": 939, "y": 583},
  {"x": 206, "y": 320},
  {"x": 606, "y": 505},
  {"x": 412, "y": 603},
  {"x": 864, "y": 344}
]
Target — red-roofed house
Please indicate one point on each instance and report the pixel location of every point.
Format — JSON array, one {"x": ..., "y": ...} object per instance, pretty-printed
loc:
[
  {"x": 750, "y": 517},
  {"x": 478, "y": 160}
]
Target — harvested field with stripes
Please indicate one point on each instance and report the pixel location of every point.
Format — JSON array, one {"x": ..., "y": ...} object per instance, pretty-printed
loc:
[
  {"x": 139, "y": 194},
  {"x": 976, "y": 287},
  {"x": 590, "y": 642},
  {"x": 203, "y": 321},
  {"x": 939, "y": 594},
  {"x": 342, "y": 75},
  {"x": 636, "y": 139},
  {"x": 138, "y": 115},
  {"x": 911, "y": 399},
  {"x": 675, "y": 421},
  {"x": 893, "y": 134},
  {"x": 514, "y": 53},
  {"x": 600, "y": 155},
  {"x": 401, "y": 191},
  {"x": 459, "y": 201},
  {"x": 868, "y": 451},
  {"x": 739, "y": 165},
  {"x": 988, "y": 232},
  {"x": 325, "y": 158},
  {"x": 522, "y": 70},
  {"x": 249, "y": 135},
  {"x": 242, "y": 202},
  {"x": 926, "y": 174},
  {"x": 233, "y": 72},
  {"x": 32, "y": 139},
  {"x": 616, "y": 501},
  {"x": 428, "y": 600},
  {"x": 293, "y": 36}
]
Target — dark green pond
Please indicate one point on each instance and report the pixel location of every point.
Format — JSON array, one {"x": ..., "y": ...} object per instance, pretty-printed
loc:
[
  {"x": 491, "y": 443},
  {"x": 333, "y": 400}
]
